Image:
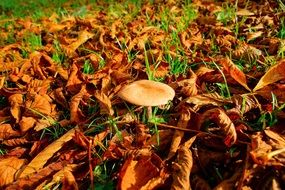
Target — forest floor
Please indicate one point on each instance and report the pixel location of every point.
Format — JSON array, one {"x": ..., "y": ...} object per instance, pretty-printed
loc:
[{"x": 63, "y": 124}]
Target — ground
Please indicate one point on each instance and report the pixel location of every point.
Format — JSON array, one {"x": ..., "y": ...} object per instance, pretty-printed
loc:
[{"x": 64, "y": 124}]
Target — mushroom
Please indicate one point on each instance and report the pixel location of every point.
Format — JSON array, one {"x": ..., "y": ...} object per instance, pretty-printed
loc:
[{"x": 147, "y": 93}]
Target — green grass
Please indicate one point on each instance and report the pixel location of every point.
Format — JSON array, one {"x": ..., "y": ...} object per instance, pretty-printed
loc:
[
  {"x": 227, "y": 14},
  {"x": 38, "y": 9},
  {"x": 88, "y": 67},
  {"x": 281, "y": 33},
  {"x": 33, "y": 41}
]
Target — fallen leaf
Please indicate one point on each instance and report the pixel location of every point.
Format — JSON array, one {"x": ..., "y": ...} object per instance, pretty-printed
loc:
[
  {"x": 40, "y": 160},
  {"x": 104, "y": 103},
  {"x": 234, "y": 71},
  {"x": 274, "y": 74},
  {"x": 8, "y": 168},
  {"x": 6, "y": 132},
  {"x": 253, "y": 35},
  {"x": 68, "y": 181},
  {"x": 30, "y": 182},
  {"x": 27, "y": 123},
  {"x": 200, "y": 100},
  {"x": 16, "y": 101},
  {"x": 83, "y": 36},
  {"x": 58, "y": 176},
  {"x": 182, "y": 168},
  {"x": 224, "y": 122},
  {"x": 178, "y": 135},
  {"x": 75, "y": 112},
  {"x": 229, "y": 183},
  {"x": 39, "y": 106},
  {"x": 138, "y": 172}
]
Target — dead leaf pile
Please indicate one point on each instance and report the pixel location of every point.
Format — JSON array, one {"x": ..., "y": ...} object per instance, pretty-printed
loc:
[{"x": 63, "y": 125}]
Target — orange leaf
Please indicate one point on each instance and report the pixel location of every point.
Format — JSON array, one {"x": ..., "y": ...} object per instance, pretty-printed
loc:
[
  {"x": 40, "y": 160},
  {"x": 83, "y": 36},
  {"x": 104, "y": 103},
  {"x": 138, "y": 172},
  {"x": 234, "y": 71},
  {"x": 6, "y": 131},
  {"x": 27, "y": 123},
  {"x": 182, "y": 168},
  {"x": 39, "y": 105},
  {"x": 30, "y": 182},
  {"x": 16, "y": 100},
  {"x": 8, "y": 168},
  {"x": 75, "y": 112},
  {"x": 68, "y": 181},
  {"x": 178, "y": 135},
  {"x": 224, "y": 122},
  {"x": 274, "y": 74}
]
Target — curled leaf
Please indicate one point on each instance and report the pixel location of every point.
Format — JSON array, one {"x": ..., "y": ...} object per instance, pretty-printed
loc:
[
  {"x": 16, "y": 100},
  {"x": 224, "y": 122},
  {"x": 182, "y": 169},
  {"x": 178, "y": 135}
]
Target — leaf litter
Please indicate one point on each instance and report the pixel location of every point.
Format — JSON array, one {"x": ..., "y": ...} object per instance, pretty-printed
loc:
[{"x": 64, "y": 125}]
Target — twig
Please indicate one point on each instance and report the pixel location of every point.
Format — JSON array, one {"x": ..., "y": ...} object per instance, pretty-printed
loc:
[{"x": 197, "y": 131}]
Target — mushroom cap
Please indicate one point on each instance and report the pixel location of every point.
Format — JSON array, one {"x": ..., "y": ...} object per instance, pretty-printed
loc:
[{"x": 147, "y": 93}]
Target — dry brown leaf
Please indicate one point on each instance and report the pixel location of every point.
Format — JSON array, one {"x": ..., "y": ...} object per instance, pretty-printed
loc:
[
  {"x": 274, "y": 74},
  {"x": 199, "y": 183},
  {"x": 16, "y": 101},
  {"x": 234, "y": 71},
  {"x": 6, "y": 132},
  {"x": 201, "y": 100},
  {"x": 57, "y": 177},
  {"x": 270, "y": 150},
  {"x": 44, "y": 123},
  {"x": 16, "y": 142},
  {"x": 104, "y": 103},
  {"x": 277, "y": 139},
  {"x": 39, "y": 106},
  {"x": 182, "y": 169},
  {"x": 224, "y": 122},
  {"x": 244, "y": 12},
  {"x": 253, "y": 35},
  {"x": 30, "y": 182},
  {"x": 143, "y": 171},
  {"x": 75, "y": 112},
  {"x": 40, "y": 160},
  {"x": 27, "y": 123},
  {"x": 68, "y": 181},
  {"x": 83, "y": 36},
  {"x": 178, "y": 135},
  {"x": 74, "y": 83},
  {"x": 229, "y": 183},
  {"x": 188, "y": 87},
  {"x": 165, "y": 137},
  {"x": 8, "y": 168}
]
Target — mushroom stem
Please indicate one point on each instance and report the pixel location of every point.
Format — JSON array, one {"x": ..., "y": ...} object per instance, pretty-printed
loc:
[{"x": 149, "y": 113}]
